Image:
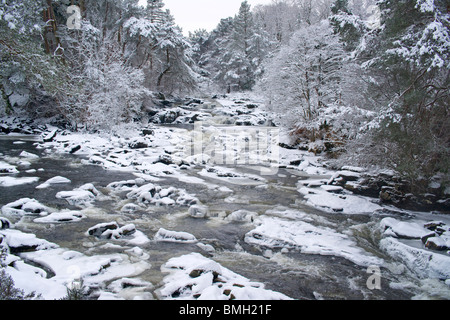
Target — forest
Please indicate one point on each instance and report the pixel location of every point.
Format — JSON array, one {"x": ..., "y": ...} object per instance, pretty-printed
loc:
[{"x": 364, "y": 82}]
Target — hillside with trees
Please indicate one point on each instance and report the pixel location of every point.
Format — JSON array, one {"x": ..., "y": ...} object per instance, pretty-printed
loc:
[{"x": 365, "y": 81}]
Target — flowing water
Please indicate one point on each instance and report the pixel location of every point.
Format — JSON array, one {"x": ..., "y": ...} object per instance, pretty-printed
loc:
[{"x": 298, "y": 275}]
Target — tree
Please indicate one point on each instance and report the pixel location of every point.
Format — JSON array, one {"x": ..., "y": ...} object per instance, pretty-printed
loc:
[
  {"x": 30, "y": 74},
  {"x": 242, "y": 50},
  {"x": 408, "y": 62},
  {"x": 304, "y": 79},
  {"x": 350, "y": 27}
]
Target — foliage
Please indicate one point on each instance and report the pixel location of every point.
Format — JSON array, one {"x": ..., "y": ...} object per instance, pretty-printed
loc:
[
  {"x": 7, "y": 289},
  {"x": 408, "y": 60}
]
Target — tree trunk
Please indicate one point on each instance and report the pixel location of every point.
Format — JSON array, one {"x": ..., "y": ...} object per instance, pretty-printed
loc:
[
  {"x": 51, "y": 43},
  {"x": 5, "y": 97},
  {"x": 166, "y": 70}
]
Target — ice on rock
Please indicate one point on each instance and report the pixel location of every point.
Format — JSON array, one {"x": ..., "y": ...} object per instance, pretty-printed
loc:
[{"x": 194, "y": 276}]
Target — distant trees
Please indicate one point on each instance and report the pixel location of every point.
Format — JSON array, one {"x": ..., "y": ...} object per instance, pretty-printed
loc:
[
  {"x": 372, "y": 73},
  {"x": 233, "y": 53},
  {"x": 307, "y": 83},
  {"x": 122, "y": 52}
]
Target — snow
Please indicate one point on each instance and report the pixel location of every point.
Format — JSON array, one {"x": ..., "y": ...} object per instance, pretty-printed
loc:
[
  {"x": 13, "y": 181},
  {"x": 193, "y": 277},
  {"x": 342, "y": 203},
  {"x": 404, "y": 229},
  {"x": 54, "y": 180},
  {"x": 174, "y": 236},
  {"x": 62, "y": 217},
  {"x": 425, "y": 263},
  {"x": 279, "y": 233}
]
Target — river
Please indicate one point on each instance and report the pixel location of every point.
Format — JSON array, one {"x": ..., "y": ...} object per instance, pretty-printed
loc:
[{"x": 296, "y": 271}]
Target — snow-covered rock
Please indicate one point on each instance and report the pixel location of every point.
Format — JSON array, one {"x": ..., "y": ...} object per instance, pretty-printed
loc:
[
  {"x": 52, "y": 181},
  {"x": 198, "y": 211},
  {"x": 438, "y": 243},
  {"x": 242, "y": 216},
  {"x": 112, "y": 231},
  {"x": 156, "y": 195},
  {"x": 80, "y": 196},
  {"x": 61, "y": 217},
  {"x": 404, "y": 229},
  {"x": 16, "y": 181},
  {"x": 279, "y": 233},
  {"x": 425, "y": 263},
  {"x": 194, "y": 276},
  {"x": 342, "y": 203},
  {"x": 4, "y": 223},
  {"x": 29, "y": 155},
  {"x": 174, "y": 236},
  {"x": 25, "y": 206},
  {"x": 19, "y": 241},
  {"x": 6, "y": 168}
]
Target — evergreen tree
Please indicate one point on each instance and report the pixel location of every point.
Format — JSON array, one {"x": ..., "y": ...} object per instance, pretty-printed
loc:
[
  {"x": 348, "y": 26},
  {"x": 408, "y": 61},
  {"x": 243, "y": 48}
]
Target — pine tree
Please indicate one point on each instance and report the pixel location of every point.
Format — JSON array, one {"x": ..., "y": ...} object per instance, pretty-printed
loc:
[
  {"x": 348, "y": 26},
  {"x": 241, "y": 49},
  {"x": 408, "y": 60},
  {"x": 155, "y": 12}
]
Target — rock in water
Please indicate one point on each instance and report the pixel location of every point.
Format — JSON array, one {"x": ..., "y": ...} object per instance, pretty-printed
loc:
[{"x": 51, "y": 136}]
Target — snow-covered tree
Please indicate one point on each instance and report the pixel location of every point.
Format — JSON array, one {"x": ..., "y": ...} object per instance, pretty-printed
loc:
[
  {"x": 349, "y": 26},
  {"x": 303, "y": 78},
  {"x": 408, "y": 63},
  {"x": 29, "y": 74},
  {"x": 241, "y": 52}
]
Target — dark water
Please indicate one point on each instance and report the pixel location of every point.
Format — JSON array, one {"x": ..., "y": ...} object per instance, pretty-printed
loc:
[{"x": 297, "y": 275}]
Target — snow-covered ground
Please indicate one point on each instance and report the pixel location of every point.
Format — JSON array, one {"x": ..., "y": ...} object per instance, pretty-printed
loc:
[{"x": 173, "y": 178}]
